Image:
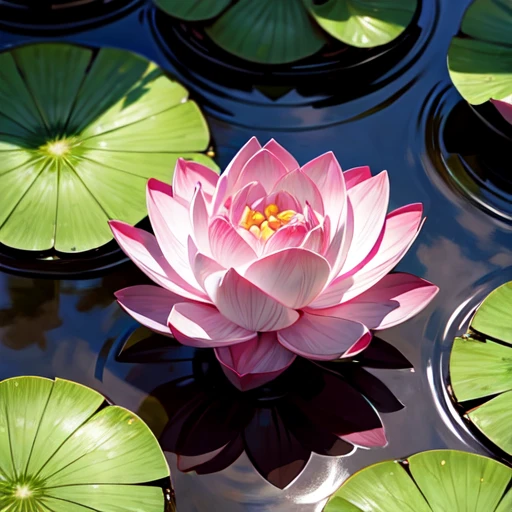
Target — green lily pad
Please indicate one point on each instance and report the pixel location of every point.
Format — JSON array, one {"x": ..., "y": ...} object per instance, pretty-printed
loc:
[
  {"x": 81, "y": 131},
  {"x": 60, "y": 451},
  {"x": 480, "y": 70},
  {"x": 193, "y": 10},
  {"x": 435, "y": 481},
  {"x": 480, "y": 65},
  {"x": 267, "y": 31},
  {"x": 481, "y": 367},
  {"x": 489, "y": 20},
  {"x": 363, "y": 23}
]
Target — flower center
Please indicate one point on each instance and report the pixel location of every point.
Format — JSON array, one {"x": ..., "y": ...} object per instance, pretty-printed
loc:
[
  {"x": 22, "y": 492},
  {"x": 264, "y": 225},
  {"x": 56, "y": 148}
]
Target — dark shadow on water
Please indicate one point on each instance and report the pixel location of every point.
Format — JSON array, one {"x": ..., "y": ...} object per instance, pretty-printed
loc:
[
  {"x": 33, "y": 310},
  {"x": 62, "y": 16},
  {"x": 312, "y": 408},
  {"x": 477, "y": 143}
]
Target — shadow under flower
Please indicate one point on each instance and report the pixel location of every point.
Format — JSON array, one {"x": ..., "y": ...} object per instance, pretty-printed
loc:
[{"x": 329, "y": 409}]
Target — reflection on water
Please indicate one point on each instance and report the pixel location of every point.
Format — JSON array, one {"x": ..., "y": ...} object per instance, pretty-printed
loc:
[
  {"x": 474, "y": 160},
  {"x": 30, "y": 309},
  {"x": 277, "y": 431},
  {"x": 311, "y": 93},
  {"x": 63, "y": 15}
]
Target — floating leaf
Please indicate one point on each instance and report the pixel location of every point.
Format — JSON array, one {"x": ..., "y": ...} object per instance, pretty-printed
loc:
[
  {"x": 481, "y": 66},
  {"x": 363, "y": 23},
  {"x": 81, "y": 131},
  {"x": 193, "y": 10},
  {"x": 483, "y": 369},
  {"x": 480, "y": 70},
  {"x": 60, "y": 451},
  {"x": 436, "y": 481},
  {"x": 489, "y": 20},
  {"x": 494, "y": 316},
  {"x": 267, "y": 31}
]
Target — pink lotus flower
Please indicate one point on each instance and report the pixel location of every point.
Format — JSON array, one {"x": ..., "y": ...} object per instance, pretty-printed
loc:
[
  {"x": 504, "y": 108},
  {"x": 273, "y": 260}
]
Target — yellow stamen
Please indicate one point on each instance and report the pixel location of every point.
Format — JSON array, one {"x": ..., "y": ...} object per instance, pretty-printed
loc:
[
  {"x": 255, "y": 230},
  {"x": 244, "y": 221},
  {"x": 264, "y": 226},
  {"x": 286, "y": 216},
  {"x": 257, "y": 218},
  {"x": 271, "y": 209},
  {"x": 266, "y": 232},
  {"x": 274, "y": 222}
]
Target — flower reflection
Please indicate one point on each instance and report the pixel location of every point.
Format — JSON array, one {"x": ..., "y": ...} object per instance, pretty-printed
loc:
[
  {"x": 328, "y": 409},
  {"x": 32, "y": 309}
]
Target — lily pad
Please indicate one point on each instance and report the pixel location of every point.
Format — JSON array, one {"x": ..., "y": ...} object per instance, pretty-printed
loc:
[
  {"x": 81, "y": 131},
  {"x": 481, "y": 367},
  {"x": 284, "y": 31},
  {"x": 193, "y": 10},
  {"x": 481, "y": 65},
  {"x": 267, "y": 31},
  {"x": 489, "y": 20},
  {"x": 61, "y": 451},
  {"x": 363, "y": 23},
  {"x": 434, "y": 481}
]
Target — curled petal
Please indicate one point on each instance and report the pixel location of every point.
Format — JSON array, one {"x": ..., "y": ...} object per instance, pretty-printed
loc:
[
  {"x": 294, "y": 277},
  {"x": 247, "y": 196},
  {"x": 356, "y": 175},
  {"x": 401, "y": 229},
  {"x": 169, "y": 220},
  {"x": 367, "y": 313},
  {"x": 142, "y": 248},
  {"x": 369, "y": 201},
  {"x": 265, "y": 168},
  {"x": 288, "y": 160},
  {"x": 315, "y": 240},
  {"x": 230, "y": 176},
  {"x": 302, "y": 188},
  {"x": 326, "y": 173},
  {"x": 324, "y": 338},
  {"x": 337, "y": 251},
  {"x": 228, "y": 247},
  {"x": 284, "y": 201},
  {"x": 504, "y": 108},
  {"x": 149, "y": 305},
  {"x": 247, "y": 305},
  {"x": 199, "y": 221},
  {"x": 254, "y": 363},
  {"x": 393, "y": 300},
  {"x": 201, "y": 325},
  {"x": 187, "y": 175},
  {"x": 291, "y": 235},
  {"x": 203, "y": 266}
]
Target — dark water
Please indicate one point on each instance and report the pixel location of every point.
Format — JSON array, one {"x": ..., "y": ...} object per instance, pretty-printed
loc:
[{"x": 408, "y": 120}]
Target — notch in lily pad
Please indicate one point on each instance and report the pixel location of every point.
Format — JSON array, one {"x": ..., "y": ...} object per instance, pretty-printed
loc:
[
  {"x": 62, "y": 449},
  {"x": 432, "y": 481},
  {"x": 480, "y": 57},
  {"x": 481, "y": 368},
  {"x": 81, "y": 131},
  {"x": 285, "y": 31}
]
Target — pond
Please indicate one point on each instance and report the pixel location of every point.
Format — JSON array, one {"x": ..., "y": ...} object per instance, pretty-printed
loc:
[{"x": 401, "y": 114}]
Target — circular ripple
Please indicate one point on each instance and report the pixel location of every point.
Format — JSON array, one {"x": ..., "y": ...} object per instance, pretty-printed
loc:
[
  {"x": 470, "y": 148},
  {"x": 447, "y": 329},
  {"x": 315, "y": 92},
  {"x": 60, "y": 15}
]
